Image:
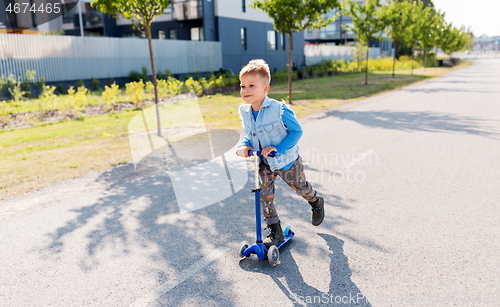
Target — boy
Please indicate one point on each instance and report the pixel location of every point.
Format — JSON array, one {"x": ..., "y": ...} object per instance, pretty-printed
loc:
[{"x": 270, "y": 126}]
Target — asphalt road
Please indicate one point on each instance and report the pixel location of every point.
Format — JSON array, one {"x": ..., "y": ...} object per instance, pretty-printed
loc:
[{"x": 411, "y": 181}]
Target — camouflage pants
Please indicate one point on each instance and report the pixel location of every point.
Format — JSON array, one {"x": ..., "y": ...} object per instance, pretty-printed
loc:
[{"x": 294, "y": 177}]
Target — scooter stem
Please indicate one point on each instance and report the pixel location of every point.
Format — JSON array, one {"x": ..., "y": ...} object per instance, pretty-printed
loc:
[{"x": 257, "y": 198}]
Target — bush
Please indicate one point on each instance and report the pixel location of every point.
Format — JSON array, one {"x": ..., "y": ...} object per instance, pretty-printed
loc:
[
  {"x": 167, "y": 74},
  {"x": 109, "y": 81},
  {"x": 17, "y": 93},
  {"x": 134, "y": 76},
  {"x": 160, "y": 76},
  {"x": 110, "y": 94},
  {"x": 79, "y": 83},
  {"x": 190, "y": 84},
  {"x": 162, "y": 88},
  {"x": 46, "y": 100},
  {"x": 430, "y": 59},
  {"x": 150, "y": 87},
  {"x": 280, "y": 75},
  {"x": 77, "y": 100},
  {"x": 174, "y": 86},
  {"x": 60, "y": 88},
  {"x": 219, "y": 82},
  {"x": 198, "y": 88},
  {"x": 144, "y": 75},
  {"x": 94, "y": 84},
  {"x": 230, "y": 78},
  {"x": 136, "y": 90},
  {"x": 207, "y": 85}
]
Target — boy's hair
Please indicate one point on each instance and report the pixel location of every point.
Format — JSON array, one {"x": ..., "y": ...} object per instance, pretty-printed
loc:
[{"x": 258, "y": 67}]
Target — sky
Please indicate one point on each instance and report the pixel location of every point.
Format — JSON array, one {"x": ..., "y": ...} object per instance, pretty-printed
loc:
[{"x": 483, "y": 15}]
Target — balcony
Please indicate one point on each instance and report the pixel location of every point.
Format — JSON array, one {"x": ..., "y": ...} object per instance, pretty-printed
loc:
[
  {"x": 187, "y": 10},
  {"x": 91, "y": 20}
]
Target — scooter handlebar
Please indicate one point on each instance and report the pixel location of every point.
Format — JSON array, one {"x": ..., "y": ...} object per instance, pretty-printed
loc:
[{"x": 272, "y": 154}]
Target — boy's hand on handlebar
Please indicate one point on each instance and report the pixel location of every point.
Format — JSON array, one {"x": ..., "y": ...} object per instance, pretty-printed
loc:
[
  {"x": 243, "y": 151},
  {"x": 268, "y": 150}
]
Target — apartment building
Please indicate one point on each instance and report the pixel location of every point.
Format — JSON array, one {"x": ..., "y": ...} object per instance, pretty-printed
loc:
[
  {"x": 245, "y": 33},
  {"x": 336, "y": 33}
]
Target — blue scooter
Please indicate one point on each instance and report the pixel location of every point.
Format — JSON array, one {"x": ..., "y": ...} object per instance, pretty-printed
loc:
[{"x": 244, "y": 250}]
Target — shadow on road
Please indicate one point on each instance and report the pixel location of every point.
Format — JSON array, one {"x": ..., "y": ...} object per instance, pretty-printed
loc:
[
  {"x": 342, "y": 291},
  {"x": 420, "y": 121},
  {"x": 138, "y": 213}
]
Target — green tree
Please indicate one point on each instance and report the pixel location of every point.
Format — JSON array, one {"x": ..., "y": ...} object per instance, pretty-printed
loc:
[
  {"x": 453, "y": 39},
  {"x": 412, "y": 37},
  {"x": 294, "y": 16},
  {"x": 396, "y": 16},
  {"x": 141, "y": 13},
  {"x": 428, "y": 29},
  {"x": 367, "y": 23},
  {"x": 437, "y": 32},
  {"x": 425, "y": 3}
]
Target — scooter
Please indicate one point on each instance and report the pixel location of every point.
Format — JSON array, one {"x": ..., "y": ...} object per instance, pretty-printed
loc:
[{"x": 259, "y": 248}]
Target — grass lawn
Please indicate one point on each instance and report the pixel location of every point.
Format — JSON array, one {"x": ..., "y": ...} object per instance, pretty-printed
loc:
[{"x": 36, "y": 157}]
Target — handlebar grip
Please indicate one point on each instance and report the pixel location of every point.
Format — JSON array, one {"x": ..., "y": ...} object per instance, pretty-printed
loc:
[{"x": 272, "y": 154}]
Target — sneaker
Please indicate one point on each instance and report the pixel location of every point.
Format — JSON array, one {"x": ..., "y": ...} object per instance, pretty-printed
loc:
[
  {"x": 275, "y": 234},
  {"x": 318, "y": 211}
]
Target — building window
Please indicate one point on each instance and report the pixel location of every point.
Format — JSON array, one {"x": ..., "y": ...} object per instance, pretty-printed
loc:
[
  {"x": 172, "y": 34},
  {"x": 68, "y": 13},
  {"x": 244, "y": 38},
  {"x": 283, "y": 41},
  {"x": 271, "y": 40},
  {"x": 168, "y": 10},
  {"x": 197, "y": 34},
  {"x": 161, "y": 34},
  {"x": 243, "y": 6}
]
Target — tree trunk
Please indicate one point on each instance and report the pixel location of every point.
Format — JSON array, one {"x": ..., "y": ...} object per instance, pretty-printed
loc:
[
  {"x": 357, "y": 52},
  {"x": 425, "y": 58},
  {"x": 367, "y": 55},
  {"x": 435, "y": 58},
  {"x": 412, "y": 57},
  {"x": 290, "y": 67},
  {"x": 394, "y": 60},
  {"x": 148, "y": 33}
]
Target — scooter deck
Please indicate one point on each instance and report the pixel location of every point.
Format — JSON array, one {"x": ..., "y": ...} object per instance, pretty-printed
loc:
[
  {"x": 288, "y": 237},
  {"x": 261, "y": 250}
]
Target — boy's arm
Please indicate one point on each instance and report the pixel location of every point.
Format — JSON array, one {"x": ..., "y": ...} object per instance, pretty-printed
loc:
[
  {"x": 294, "y": 130},
  {"x": 245, "y": 142}
]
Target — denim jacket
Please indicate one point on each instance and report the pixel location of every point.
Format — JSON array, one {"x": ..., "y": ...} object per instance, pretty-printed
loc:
[{"x": 269, "y": 129}]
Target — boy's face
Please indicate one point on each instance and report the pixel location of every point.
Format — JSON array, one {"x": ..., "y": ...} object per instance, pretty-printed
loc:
[{"x": 253, "y": 90}]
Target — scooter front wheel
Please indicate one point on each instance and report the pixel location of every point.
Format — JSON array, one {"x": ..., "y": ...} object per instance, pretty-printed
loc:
[
  {"x": 273, "y": 255},
  {"x": 243, "y": 246}
]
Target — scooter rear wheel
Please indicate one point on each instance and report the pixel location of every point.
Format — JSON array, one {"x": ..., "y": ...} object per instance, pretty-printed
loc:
[
  {"x": 273, "y": 255},
  {"x": 243, "y": 246}
]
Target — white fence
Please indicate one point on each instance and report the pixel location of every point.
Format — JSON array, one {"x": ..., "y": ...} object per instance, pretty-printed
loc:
[
  {"x": 317, "y": 53},
  {"x": 65, "y": 58}
]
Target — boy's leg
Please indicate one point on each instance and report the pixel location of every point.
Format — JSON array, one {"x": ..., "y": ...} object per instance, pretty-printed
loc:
[
  {"x": 267, "y": 178},
  {"x": 267, "y": 206},
  {"x": 296, "y": 179}
]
